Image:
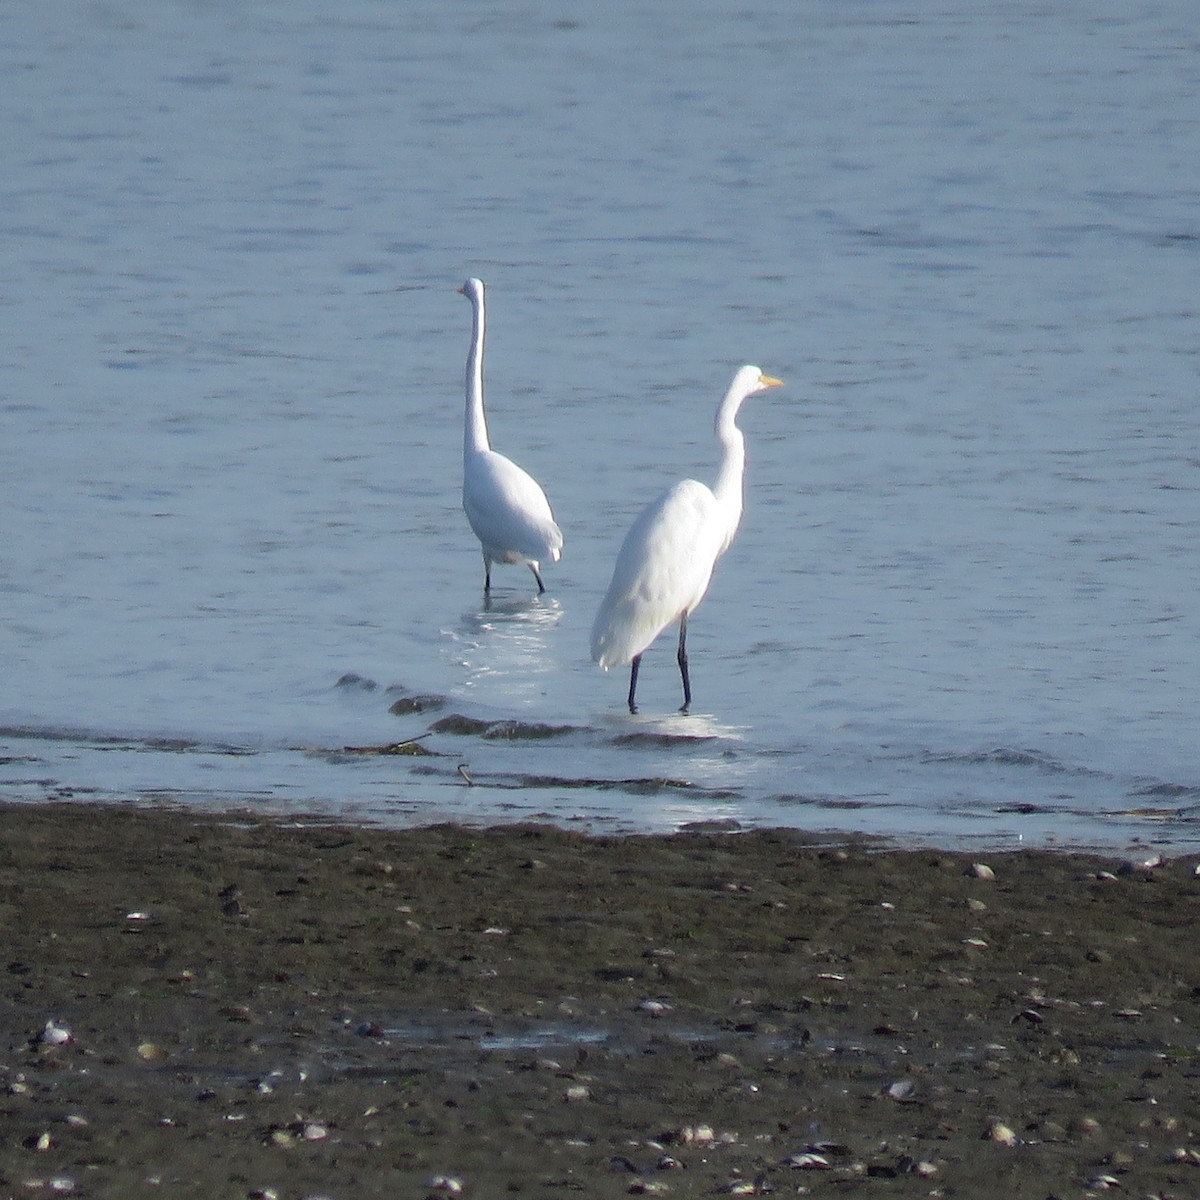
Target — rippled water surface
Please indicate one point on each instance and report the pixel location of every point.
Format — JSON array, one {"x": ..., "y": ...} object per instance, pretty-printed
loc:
[{"x": 963, "y": 602}]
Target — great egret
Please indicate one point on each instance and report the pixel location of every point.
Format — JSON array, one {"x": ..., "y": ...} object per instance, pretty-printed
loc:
[
  {"x": 505, "y": 505},
  {"x": 667, "y": 559}
]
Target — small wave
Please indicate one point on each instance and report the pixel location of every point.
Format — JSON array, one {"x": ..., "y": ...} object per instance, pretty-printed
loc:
[
  {"x": 403, "y": 703},
  {"x": 1168, "y": 791},
  {"x": 838, "y": 803},
  {"x": 656, "y": 741},
  {"x": 999, "y": 756},
  {"x": 506, "y": 730},
  {"x": 407, "y": 705},
  {"x": 650, "y": 785},
  {"x": 353, "y": 681},
  {"x": 114, "y": 741},
  {"x": 1007, "y": 756},
  {"x": 1174, "y": 816}
]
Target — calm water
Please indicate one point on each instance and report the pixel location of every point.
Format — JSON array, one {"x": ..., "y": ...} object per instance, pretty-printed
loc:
[{"x": 963, "y": 603}]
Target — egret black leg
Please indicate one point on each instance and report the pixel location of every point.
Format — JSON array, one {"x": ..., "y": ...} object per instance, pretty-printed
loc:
[
  {"x": 487, "y": 574},
  {"x": 541, "y": 585},
  {"x": 633, "y": 672},
  {"x": 683, "y": 664}
]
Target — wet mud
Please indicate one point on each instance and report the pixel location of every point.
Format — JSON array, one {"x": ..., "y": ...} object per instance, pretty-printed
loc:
[{"x": 194, "y": 1005}]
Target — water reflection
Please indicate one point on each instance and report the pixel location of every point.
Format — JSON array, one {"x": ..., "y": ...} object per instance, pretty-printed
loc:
[
  {"x": 668, "y": 729},
  {"x": 541, "y": 610},
  {"x": 507, "y": 642}
]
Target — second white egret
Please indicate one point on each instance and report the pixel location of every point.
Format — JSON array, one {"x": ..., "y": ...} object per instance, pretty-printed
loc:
[
  {"x": 666, "y": 562},
  {"x": 505, "y": 505}
]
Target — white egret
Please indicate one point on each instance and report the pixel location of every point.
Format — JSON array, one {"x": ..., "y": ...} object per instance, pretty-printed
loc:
[
  {"x": 666, "y": 561},
  {"x": 505, "y": 505}
]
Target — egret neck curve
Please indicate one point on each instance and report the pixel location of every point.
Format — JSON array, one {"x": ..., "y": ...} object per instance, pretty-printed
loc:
[
  {"x": 728, "y": 488},
  {"x": 475, "y": 433}
]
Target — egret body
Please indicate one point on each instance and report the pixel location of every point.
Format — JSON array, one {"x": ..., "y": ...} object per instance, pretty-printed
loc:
[
  {"x": 666, "y": 561},
  {"x": 505, "y": 505}
]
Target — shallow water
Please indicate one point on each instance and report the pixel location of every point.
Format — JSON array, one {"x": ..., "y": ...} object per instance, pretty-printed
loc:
[{"x": 962, "y": 603}]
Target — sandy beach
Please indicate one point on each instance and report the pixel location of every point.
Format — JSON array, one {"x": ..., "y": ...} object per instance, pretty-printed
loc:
[{"x": 208, "y": 1006}]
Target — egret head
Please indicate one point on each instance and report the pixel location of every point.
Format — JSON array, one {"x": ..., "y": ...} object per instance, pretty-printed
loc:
[
  {"x": 473, "y": 290},
  {"x": 750, "y": 380}
]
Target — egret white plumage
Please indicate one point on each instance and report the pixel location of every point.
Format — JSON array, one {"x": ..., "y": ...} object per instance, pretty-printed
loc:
[
  {"x": 505, "y": 505},
  {"x": 666, "y": 561}
]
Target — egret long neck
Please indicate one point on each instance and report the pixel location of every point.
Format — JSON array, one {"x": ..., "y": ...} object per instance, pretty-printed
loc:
[
  {"x": 731, "y": 472},
  {"x": 475, "y": 434}
]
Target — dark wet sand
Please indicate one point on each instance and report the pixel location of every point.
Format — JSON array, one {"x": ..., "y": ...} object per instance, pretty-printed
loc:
[{"x": 295, "y": 1010}]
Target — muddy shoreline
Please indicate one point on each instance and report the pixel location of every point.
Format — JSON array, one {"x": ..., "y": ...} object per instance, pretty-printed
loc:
[{"x": 197, "y": 1005}]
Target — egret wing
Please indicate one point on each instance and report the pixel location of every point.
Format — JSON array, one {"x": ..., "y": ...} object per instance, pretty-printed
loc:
[
  {"x": 508, "y": 510},
  {"x": 662, "y": 570}
]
